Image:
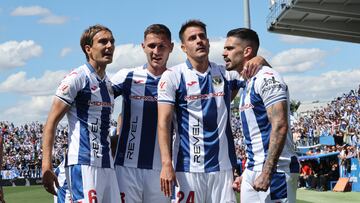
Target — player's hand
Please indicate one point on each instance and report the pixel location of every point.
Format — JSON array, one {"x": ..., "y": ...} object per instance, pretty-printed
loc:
[
  {"x": 262, "y": 182},
  {"x": 252, "y": 66},
  {"x": 48, "y": 179},
  {"x": 167, "y": 179},
  {"x": 237, "y": 184}
]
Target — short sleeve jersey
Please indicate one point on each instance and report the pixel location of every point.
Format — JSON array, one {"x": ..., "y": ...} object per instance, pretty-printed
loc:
[
  {"x": 203, "y": 141},
  {"x": 91, "y": 102},
  {"x": 137, "y": 146},
  {"x": 264, "y": 89}
]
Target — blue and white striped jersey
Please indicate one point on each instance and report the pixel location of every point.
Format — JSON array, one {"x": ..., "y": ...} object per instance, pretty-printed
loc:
[
  {"x": 264, "y": 89},
  {"x": 91, "y": 103},
  {"x": 137, "y": 146},
  {"x": 203, "y": 141}
]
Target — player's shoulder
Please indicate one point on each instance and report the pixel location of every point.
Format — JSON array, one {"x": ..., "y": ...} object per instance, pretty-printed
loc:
[
  {"x": 76, "y": 74},
  {"x": 175, "y": 70},
  {"x": 267, "y": 72},
  {"x": 122, "y": 74}
]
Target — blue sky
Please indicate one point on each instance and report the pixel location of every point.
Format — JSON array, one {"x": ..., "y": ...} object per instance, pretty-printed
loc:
[{"x": 39, "y": 44}]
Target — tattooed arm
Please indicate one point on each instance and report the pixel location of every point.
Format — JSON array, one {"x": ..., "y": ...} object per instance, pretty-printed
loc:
[{"x": 278, "y": 117}]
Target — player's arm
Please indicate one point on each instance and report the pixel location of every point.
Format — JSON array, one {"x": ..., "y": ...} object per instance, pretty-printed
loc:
[
  {"x": 167, "y": 175},
  {"x": 278, "y": 117},
  {"x": 253, "y": 66},
  {"x": 57, "y": 112}
]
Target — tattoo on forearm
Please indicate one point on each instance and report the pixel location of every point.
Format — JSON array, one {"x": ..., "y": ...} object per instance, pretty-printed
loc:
[{"x": 278, "y": 117}]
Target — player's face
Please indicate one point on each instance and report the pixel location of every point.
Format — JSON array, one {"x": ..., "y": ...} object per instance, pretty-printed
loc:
[
  {"x": 233, "y": 54},
  {"x": 196, "y": 44},
  {"x": 102, "y": 49},
  {"x": 157, "y": 49}
]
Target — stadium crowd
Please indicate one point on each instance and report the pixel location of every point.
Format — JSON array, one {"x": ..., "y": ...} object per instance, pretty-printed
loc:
[{"x": 22, "y": 148}]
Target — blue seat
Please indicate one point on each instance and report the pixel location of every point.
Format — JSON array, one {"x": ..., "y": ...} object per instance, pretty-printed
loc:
[{"x": 332, "y": 184}]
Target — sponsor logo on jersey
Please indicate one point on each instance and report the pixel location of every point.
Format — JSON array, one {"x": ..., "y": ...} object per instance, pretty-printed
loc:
[
  {"x": 245, "y": 107},
  {"x": 131, "y": 144},
  {"x": 139, "y": 81},
  {"x": 162, "y": 85},
  {"x": 271, "y": 84},
  {"x": 145, "y": 98},
  {"x": 100, "y": 103},
  {"x": 196, "y": 148},
  {"x": 204, "y": 96},
  {"x": 64, "y": 88},
  {"x": 192, "y": 83},
  {"x": 93, "y": 88}
]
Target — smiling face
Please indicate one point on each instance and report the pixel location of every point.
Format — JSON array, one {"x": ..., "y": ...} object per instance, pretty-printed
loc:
[
  {"x": 195, "y": 43},
  {"x": 157, "y": 48},
  {"x": 102, "y": 49}
]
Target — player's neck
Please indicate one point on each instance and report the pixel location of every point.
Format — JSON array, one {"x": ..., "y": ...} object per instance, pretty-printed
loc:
[
  {"x": 156, "y": 71},
  {"x": 99, "y": 69},
  {"x": 200, "y": 65}
]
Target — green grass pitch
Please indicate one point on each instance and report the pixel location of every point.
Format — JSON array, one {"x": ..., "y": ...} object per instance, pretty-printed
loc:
[{"x": 37, "y": 194}]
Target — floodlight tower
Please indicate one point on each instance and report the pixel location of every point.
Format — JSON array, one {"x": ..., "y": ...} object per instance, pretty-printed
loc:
[{"x": 246, "y": 14}]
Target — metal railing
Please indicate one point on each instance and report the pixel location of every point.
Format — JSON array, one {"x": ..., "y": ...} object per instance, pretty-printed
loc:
[{"x": 276, "y": 7}]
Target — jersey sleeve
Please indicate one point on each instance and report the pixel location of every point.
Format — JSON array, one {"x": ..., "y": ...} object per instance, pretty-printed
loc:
[
  {"x": 167, "y": 87},
  {"x": 271, "y": 87},
  {"x": 118, "y": 81},
  {"x": 69, "y": 87}
]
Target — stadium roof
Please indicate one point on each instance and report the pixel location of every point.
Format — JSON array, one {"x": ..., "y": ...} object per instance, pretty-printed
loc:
[
  {"x": 307, "y": 107},
  {"x": 325, "y": 19}
]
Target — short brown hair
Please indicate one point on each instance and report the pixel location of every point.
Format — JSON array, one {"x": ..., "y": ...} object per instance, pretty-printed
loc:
[
  {"x": 191, "y": 23},
  {"x": 88, "y": 35},
  {"x": 158, "y": 29}
]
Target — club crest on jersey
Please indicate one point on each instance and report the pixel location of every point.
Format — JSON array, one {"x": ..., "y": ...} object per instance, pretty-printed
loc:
[{"x": 216, "y": 80}]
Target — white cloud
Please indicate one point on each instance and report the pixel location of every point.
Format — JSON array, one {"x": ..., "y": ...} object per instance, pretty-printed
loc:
[
  {"x": 30, "y": 11},
  {"x": 296, "y": 39},
  {"x": 34, "y": 109},
  {"x": 52, "y": 19},
  {"x": 46, "y": 85},
  {"x": 130, "y": 55},
  {"x": 65, "y": 51},
  {"x": 14, "y": 54},
  {"x": 298, "y": 60},
  {"x": 323, "y": 87},
  {"x": 127, "y": 56},
  {"x": 47, "y": 16}
]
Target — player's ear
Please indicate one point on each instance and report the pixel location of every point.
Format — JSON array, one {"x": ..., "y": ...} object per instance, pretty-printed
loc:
[
  {"x": 143, "y": 45},
  {"x": 87, "y": 48},
  {"x": 171, "y": 46},
  {"x": 248, "y": 51},
  {"x": 183, "y": 48}
]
